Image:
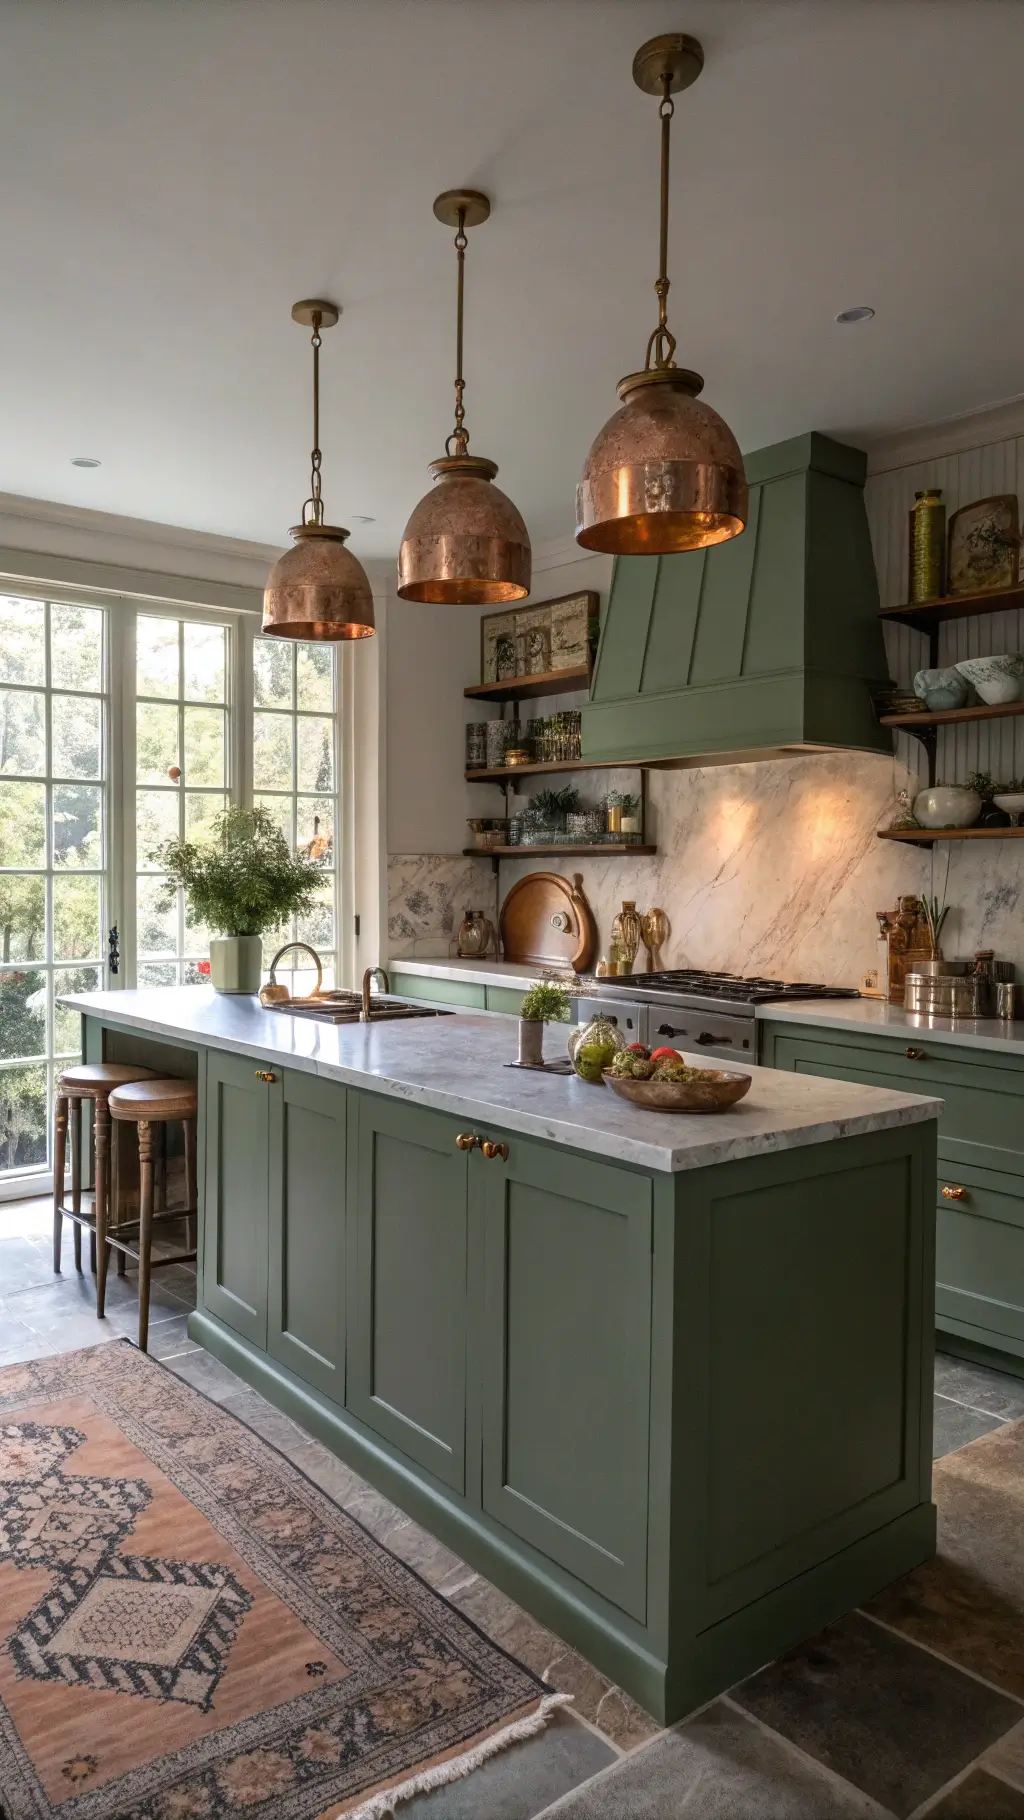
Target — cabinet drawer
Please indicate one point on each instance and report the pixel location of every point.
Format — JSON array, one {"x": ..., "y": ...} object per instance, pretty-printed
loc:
[
  {"x": 439, "y": 992},
  {"x": 504, "y": 998},
  {"x": 980, "y": 1252},
  {"x": 981, "y": 1124}
]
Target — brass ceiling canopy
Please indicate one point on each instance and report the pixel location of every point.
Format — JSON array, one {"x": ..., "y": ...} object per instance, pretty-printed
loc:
[
  {"x": 465, "y": 542},
  {"x": 665, "y": 473},
  {"x": 318, "y": 590}
]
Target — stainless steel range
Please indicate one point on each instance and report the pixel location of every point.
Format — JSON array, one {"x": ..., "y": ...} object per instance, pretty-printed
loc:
[{"x": 713, "y": 1012}]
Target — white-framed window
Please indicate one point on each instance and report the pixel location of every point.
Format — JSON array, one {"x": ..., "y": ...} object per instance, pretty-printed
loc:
[
  {"x": 295, "y": 777},
  {"x": 183, "y": 725},
  {"x": 54, "y": 853}
]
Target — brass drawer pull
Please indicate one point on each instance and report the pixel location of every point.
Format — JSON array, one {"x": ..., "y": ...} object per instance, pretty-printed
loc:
[
  {"x": 915, "y": 1055},
  {"x": 951, "y": 1193},
  {"x": 264, "y": 1074},
  {"x": 466, "y": 1141},
  {"x": 492, "y": 1150}
]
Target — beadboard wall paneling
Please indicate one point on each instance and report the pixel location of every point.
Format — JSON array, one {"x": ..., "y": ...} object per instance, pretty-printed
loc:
[{"x": 998, "y": 467}]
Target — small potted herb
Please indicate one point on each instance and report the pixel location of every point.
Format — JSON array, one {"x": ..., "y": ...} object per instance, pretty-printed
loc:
[
  {"x": 242, "y": 882},
  {"x": 544, "y": 1003}
]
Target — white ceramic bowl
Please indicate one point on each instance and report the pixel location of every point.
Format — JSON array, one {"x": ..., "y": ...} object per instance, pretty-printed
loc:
[
  {"x": 947, "y": 806},
  {"x": 1013, "y": 802},
  {"x": 997, "y": 679}
]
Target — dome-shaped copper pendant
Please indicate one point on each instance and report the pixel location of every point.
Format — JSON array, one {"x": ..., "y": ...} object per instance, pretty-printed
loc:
[
  {"x": 318, "y": 590},
  {"x": 665, "y": 473},
  {"x": 466, "y": 542}
]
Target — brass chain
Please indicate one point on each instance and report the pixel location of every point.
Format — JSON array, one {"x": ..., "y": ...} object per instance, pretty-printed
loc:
[
  {"x": 460, "y": 435},
  {"x": 316, "y": 457},
  {"x": 662, "y": 343}
]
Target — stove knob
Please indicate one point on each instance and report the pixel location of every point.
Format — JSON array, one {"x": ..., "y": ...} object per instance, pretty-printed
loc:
[
  {"x": 667, "y": 1030},
  {"x": 706, "y": 1037}
]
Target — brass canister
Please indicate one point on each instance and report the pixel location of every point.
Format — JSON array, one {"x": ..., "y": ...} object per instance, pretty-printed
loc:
[{"x": 927, "y": 545}]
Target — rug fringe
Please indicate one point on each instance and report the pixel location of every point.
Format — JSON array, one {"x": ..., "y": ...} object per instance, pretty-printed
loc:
[{"x": 381, "y": 1807}]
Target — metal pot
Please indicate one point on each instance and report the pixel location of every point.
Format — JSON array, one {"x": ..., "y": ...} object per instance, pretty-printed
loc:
[{"x": 946, "y": 995}]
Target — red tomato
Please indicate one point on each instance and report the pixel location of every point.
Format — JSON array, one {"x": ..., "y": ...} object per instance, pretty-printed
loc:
[
  {"x": 637, "y": 1049},
  {"x": 665, "y": 1055}
]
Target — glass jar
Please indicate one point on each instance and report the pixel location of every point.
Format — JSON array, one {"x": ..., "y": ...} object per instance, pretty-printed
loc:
[{"x": 592, "y": 1047}]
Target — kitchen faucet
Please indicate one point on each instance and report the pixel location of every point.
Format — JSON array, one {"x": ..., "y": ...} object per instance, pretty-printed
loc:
[
  {"x": 369, "y": 976},
  {"x": 272, "y": 993}
]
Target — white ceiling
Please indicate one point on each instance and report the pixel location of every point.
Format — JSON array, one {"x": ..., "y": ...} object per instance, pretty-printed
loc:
[{"x": 174, "y": 173}]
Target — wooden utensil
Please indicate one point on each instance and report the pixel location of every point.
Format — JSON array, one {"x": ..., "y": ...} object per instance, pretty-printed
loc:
[
  {"x": 654, "y": 927},
  {"x": 546, "y": 921}
]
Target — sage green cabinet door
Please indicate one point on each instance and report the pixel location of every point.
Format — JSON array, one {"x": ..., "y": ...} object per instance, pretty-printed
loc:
[
  {"x": 980, "y": 1253},
  {"x": 236, "y": 1202},
  {"x": 407, "y": 1285},
  {"x": 566, "y": 1340},
  {"x": 306, "y": 1324}
]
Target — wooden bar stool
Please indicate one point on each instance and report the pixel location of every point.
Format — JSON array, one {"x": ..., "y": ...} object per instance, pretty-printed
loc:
[
  {"x": 150, "y": 1102},
  {"x": 93, "y": 1081}
]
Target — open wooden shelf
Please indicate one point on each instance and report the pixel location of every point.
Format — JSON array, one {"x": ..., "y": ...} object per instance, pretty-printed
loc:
[
  {"x": 527, "y": 688},
  {"x": 948, "y": 717},
  {"x": 606, "y": 848},
  {"x": 926, "y": 837},
  {"x": 502, "y": 774},
  {"x": 922, "y": 614}
]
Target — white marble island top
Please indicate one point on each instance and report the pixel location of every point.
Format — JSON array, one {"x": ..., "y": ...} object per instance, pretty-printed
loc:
[{"x": 457, "y": 1064}]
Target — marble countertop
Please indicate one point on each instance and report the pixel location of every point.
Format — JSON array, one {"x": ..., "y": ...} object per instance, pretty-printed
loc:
[
  {"x": 852, "y": 1014},
  {"x": 457, "y": 1064},
  {"x": 474, "y": 973}
]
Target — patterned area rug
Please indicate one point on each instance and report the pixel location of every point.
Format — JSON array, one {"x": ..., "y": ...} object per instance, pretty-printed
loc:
[{"x": 191, "y": 1630}]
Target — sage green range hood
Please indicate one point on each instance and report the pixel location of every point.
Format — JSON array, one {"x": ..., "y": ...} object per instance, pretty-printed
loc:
[{"x": 768, "y": 644}]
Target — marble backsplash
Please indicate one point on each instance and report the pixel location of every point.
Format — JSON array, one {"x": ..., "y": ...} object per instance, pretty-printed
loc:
[
  {"x": 427, "y": 894},
  {"x": 775, "y": 868}
]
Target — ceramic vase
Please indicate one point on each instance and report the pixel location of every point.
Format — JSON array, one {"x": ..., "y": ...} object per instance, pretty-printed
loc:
[
  {"x": 236, "y": 963},
  {"x": 531, "y": 1042}
]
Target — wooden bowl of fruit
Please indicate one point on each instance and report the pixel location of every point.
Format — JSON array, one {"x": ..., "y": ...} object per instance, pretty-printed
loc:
[{"x": 662, "y": 1081}]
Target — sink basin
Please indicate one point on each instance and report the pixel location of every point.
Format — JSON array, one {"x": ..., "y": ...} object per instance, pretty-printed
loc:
[{"x": 345, "y": 1008}]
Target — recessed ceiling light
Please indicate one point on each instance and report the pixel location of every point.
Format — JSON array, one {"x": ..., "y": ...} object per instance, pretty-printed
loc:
[
  {"x": 862, "y": 312},
  {"x": 85, "y": 461}
]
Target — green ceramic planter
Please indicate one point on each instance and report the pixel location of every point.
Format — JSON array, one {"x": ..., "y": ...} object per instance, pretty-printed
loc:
[{"x": 236, "y": 963}]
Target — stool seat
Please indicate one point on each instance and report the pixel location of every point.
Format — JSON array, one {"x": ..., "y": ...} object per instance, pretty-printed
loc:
[
  {"x": 87, "y": 1079},
  {"x": 154, "y": 1099}
]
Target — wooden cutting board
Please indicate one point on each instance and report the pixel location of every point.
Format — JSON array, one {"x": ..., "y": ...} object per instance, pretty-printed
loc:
[{"x": 546, "y": 921}]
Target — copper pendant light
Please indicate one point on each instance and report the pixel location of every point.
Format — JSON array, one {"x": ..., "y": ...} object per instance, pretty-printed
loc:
[
  {"x": 465, "y": 542},
  {"x": 318, "y": 590},
  {"x": 665, "y": 473}
]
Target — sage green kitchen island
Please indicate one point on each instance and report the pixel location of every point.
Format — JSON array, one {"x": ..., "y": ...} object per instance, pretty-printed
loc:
[{"x": 666, "y": 1379}]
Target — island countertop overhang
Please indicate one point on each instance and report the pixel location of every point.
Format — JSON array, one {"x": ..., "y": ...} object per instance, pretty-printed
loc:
[{"x": 459, "y": 1064}]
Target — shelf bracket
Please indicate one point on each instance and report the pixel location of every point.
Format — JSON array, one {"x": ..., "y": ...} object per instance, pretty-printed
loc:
[{"x": 928, "y": 737}]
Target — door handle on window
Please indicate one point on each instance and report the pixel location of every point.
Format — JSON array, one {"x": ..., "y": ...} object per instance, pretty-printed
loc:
[
  {"x": 955, "y": 1193},
  {"x": 466, "y": 1141},
  {"x": 915, "y": 1055},
  {"x": 492, "y": 1150},
  {"x": 113, "y": 949}
]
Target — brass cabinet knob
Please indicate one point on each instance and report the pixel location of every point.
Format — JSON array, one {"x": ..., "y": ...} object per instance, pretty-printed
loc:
[
  {"x": 264, "y": 1074},
  {"x": 915, "y": 1055},
  {"x": 466, "y": 1141},
  {"x": 951, "y": 1193},
  {"x": 492, "y": 1150}
]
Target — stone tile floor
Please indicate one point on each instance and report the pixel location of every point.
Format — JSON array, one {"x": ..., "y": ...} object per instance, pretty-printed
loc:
[{"x": 915, "y": 1708}]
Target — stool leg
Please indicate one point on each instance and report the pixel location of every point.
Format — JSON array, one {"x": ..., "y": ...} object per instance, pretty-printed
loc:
[
  {"x": 188, "y": 1127},
  {"x": 76, "y": 1175},
  {"x": 101, "y": 1128},
  {"x": 145, "y": 1226},
  {"x": 60, "y": 1144},
  {"x": 160, "y": 1185},
  {"x": 115, "y": 1188}
]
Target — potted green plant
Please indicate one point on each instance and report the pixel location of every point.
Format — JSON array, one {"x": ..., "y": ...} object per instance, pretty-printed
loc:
[
  {"x": 240, "y": 883},
  {"x": 544, "y": 1003}
]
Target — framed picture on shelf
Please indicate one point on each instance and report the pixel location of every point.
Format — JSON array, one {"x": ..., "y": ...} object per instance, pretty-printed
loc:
[
  {"x": 536, "y": 640},
  {"x": 984, "y": 545}
]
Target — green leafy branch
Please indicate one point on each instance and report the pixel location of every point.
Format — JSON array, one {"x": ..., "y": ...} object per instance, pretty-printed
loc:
[{"x": 246, "y": 880}]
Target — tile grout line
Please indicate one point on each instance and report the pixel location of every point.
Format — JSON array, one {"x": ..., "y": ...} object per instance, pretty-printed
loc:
[
  {"x": 948, "y": 1661},
  {"x": 842, "y": 1783},
  {"x": 955, "y": 1782},
  {"x": 990, "y": 1414}
]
